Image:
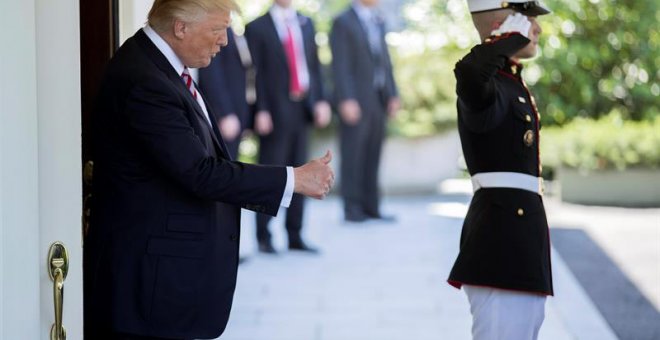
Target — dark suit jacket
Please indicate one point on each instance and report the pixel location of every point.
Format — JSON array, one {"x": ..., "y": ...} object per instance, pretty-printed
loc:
[
  {"x": 273, "y": 70},
  {"x": 353, "y": 65},
  {"x": 224, "y": 83},
  {"x": 161, "y": 254}
]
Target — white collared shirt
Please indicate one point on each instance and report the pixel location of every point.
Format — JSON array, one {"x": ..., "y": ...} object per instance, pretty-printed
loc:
[
  {"x": 364, "y": 13},
  {"x": 281, "y": 16},
  {"x": 178, "y": 66}
]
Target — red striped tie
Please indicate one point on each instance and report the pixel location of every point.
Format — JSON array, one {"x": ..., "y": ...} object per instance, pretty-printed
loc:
[{"x": 187, "y": 79}]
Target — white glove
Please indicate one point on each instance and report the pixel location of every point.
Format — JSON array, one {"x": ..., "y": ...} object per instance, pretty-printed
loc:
[{"x": 514, "y": 23}]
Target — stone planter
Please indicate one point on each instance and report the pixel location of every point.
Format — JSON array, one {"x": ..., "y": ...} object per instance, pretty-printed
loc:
[
  {"x": 408, "y": 166},
  {"x": 630, "y": 188}
]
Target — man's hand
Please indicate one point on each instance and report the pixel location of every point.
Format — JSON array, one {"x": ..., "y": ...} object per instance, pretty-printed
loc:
[
  {"x": 322, "y": 114},
  {"x": 393, "y": 106},
  {"x": 263, "y": 123},
  {"x": 350, "y": 112},
  {"x": 230, "y": 127},
  {"x": 315, "y": 178},
  {"x": 514, "y": 23}
]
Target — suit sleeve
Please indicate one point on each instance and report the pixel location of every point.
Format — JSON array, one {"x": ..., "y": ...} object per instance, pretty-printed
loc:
[
  {"x": 214, "y": 86},
  {"x": 479, "y": 99},
  {"x": 392, "y": 90},
  {"x": 258, "y": 52},
  {"x": 314, "y": 67},
  {"x": 158, "y": 120},
  {"x": 341, "y": 61}
]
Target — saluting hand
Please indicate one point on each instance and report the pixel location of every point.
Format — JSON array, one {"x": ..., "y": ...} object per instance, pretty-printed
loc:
[
  {"x": 514, "y": 23},
  {"x": 315, "y": 179}
]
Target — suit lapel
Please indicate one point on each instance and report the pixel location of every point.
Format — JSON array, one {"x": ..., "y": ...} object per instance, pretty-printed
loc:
[
  {"x": 275, "y": 38},
  {"x": 359, "y": 27},
  {"x": 161, "y": 62},
  {"x": 215, "y": 132}
]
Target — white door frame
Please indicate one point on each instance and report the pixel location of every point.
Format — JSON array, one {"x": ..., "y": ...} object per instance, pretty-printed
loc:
[{"x": 40, "y": 164}]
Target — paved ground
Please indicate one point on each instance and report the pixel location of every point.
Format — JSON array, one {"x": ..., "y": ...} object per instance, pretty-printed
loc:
[{"x": 387, "y": 281}]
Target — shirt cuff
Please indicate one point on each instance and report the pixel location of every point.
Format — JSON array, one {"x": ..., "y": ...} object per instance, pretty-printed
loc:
[{"x": 288, "y": 189}]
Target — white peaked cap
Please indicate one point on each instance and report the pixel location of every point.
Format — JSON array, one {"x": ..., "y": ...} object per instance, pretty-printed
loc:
[{"x": 532, "y": 8}]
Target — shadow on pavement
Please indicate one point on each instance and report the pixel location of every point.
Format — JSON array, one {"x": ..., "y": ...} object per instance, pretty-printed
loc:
[{"x": 630, "y": 314}]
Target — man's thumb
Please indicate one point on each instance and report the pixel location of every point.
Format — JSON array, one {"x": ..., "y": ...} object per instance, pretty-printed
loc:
[{"x": 327, "y": 158}]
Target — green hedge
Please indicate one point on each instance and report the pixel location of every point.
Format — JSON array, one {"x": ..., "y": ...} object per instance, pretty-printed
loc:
[{"x": 607, "y": 143}]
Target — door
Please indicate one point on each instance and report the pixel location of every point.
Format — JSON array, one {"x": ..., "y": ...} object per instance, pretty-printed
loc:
[{"x": 40, "y": 162}]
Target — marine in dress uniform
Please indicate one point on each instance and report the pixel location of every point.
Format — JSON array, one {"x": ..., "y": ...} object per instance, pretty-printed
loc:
[{"x": 504, "y": 259}]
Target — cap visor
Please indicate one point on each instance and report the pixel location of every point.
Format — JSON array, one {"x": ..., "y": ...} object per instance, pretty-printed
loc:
[{"x": 536, "y": 11}]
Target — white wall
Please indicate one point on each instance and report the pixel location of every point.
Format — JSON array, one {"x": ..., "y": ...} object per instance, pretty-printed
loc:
[
  {"x": 21, "y": 265},
  {"x": 40, "y": 195},
  {"x": 132, "y": 16}
]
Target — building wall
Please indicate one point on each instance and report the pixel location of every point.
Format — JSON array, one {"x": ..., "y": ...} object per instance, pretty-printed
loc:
[{"x": 40, "y": 149}]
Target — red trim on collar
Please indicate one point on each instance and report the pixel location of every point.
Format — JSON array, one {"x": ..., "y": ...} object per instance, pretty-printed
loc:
[
  {"x": 508, "y": 75},
  {"x": 494, "y": 38}
]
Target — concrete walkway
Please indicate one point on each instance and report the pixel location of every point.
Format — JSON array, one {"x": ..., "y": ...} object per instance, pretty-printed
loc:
[{"x": 379, "y": 281}]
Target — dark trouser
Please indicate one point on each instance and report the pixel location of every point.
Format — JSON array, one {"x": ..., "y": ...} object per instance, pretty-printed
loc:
[
  {"x": 284, "y": 147},
  {"x": 361, "y": 147}
]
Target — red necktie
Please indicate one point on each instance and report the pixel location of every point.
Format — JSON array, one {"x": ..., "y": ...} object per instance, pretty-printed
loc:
[
  {"x": 295, "y": 88},
  {"x": 187, "y": 79}
]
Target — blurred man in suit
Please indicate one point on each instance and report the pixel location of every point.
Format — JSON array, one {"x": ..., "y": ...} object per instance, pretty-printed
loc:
[
  {"x": 289, "y": 97},
  {"x": 366, "y": 95},
  {"x": 229, "y": 84},
  {"x": 161, "y": 254}
]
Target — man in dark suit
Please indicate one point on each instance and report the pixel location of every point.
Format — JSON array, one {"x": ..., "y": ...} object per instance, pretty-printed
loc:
[
  {"x": 366, "y": 95},
  {"x": 161, "y": 255},
  {"x": 289, "y": 96},
  {"x": 504, "y": 260},
  {"x": 229, "y": 84}
]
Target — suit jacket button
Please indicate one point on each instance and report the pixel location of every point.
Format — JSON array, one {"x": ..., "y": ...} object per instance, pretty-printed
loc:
[
  {"x": 233, "y": 237},
  {"x": 528, "y": 118},
  {"x": 521, "y": 212}
]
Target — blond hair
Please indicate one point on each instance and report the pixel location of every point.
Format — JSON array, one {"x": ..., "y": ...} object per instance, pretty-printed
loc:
[
  {"x": 163, "y": 13},
  {"x": 484, "y": 21}
]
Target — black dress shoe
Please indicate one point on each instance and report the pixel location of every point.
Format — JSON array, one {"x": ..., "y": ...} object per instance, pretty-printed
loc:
[
  {"x": 356, "y": 217},
  {"x": 301, "y": 246},
  {"x": 383, "y": 218},
  {"x": 267, "y": 248}
]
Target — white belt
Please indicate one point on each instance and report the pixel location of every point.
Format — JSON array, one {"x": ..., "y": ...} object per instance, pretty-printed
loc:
[{"x": 513, "y": 180}]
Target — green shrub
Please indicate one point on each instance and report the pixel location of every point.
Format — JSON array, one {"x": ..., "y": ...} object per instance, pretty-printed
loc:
[{"x": 607, "y": 143}]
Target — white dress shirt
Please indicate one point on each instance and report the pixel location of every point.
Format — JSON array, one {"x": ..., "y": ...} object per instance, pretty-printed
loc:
[
  {"x": 283, "y": 16},
  {"x": 178, "y": 66}
]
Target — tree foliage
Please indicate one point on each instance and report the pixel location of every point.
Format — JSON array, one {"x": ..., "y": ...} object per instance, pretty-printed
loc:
[{"x": 598, "y": 57}]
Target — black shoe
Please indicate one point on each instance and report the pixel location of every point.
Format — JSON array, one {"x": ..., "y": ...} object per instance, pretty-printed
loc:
[
  {"x": 267, "y": 248},
  {"x": 356, "y": 217},
  {"x": 301, "y": 246},
  {"x": 383, "y": 218}
]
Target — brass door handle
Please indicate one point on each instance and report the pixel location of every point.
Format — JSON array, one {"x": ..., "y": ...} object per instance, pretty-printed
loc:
[{"x": 58, "y": 267}]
